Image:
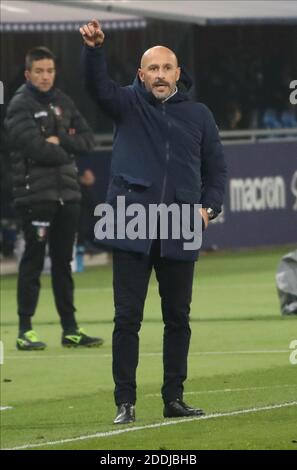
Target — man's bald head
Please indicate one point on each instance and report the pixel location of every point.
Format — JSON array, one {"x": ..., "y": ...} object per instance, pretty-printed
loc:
[
  {"x": 151, "y": 53},
  {"x": 159, "y": 71}
]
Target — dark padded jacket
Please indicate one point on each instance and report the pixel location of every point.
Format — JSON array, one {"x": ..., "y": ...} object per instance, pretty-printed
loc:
[
  {"x": 43, "y": 171},
  {"x": 162, "y": 153}
]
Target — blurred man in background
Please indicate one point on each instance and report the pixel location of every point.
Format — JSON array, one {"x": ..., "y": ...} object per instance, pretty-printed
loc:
[{"x": 45, "y": 132}]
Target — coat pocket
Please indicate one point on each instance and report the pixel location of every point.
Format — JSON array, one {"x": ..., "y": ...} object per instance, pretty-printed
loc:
[
  {"x": 126, "y": 185},
  {"x": 131, "y": 181},
  {"x": 187, "y": 197}
]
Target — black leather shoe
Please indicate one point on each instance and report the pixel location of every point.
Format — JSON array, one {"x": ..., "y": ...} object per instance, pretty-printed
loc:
[
  {"x": 177, "y": 408},
  {"x": 125, "y": 414}
]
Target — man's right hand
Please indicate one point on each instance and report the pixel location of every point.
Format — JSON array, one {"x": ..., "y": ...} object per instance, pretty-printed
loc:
[
  {"x": 92, "y": 34},
  {"x": 53, "y": 139}
]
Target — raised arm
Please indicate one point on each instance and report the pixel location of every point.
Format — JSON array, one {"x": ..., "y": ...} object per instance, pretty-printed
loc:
[{"x": 113, "y": 98}]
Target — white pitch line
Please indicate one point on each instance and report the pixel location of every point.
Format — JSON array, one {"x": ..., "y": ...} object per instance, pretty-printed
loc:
[
  {"x": 154, "y": 426},
  {"x": 226, "y": 390},
  {"x": 154, "y": 285},
  {"x": 2, "y": 408},
  {"x": 40, "y": 355},
  {"x": 257, "y": 351}
]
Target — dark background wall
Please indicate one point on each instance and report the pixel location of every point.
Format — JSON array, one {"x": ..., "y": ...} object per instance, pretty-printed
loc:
[
  {"x": 235, "y": 68},
  {"x": 260, "y": 206},
  {"x": 249, "y": 67}
]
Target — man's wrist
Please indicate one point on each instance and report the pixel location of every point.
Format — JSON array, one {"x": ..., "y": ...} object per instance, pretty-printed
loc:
[
  {"x": 95, "y": 47},
  {"x": 211, "y": 212},
  {"x": 205, "y": 218}
]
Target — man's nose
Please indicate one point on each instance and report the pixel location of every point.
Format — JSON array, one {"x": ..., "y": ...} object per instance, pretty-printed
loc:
[{"x": 161, "y": 75}]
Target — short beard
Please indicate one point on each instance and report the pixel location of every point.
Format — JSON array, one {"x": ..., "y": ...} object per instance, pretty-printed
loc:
[{"x": 162, "y": 97}]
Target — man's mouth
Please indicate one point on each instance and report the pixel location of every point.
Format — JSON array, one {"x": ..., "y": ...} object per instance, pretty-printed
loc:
[{"x": 160, "y": 85}]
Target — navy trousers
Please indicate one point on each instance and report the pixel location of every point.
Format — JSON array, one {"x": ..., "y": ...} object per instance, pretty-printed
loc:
[{"x": 131, "y": 274}]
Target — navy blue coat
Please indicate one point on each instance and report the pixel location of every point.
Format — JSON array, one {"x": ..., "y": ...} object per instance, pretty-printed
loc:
[{"x": 162, "y": 153}]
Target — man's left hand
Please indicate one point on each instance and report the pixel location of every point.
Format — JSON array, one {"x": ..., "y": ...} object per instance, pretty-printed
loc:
[{"x": 205, "y": 217}]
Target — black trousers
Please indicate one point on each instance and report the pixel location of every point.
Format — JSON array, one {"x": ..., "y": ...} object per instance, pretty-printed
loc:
[
  {"x": 56, "y": 224},
  {"x": 131, "y": 274}
]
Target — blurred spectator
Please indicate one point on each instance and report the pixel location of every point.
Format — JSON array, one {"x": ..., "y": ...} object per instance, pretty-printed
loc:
[
  {"x": 45, "y": 132},
  {"x": 234, "y": 117},
  {"x": 270, "y": 120},
  {"x": 288, "y": 117}
]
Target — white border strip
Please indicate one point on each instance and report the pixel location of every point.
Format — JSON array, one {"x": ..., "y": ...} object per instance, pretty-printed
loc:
[
  {"x": 228, "y": 390},
  {"x": 41, "y": 355},
  {"x": 153, "y": 426}
]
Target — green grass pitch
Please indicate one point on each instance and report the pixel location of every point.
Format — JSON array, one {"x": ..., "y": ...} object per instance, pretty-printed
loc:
[{"x": 238, "y": 362}]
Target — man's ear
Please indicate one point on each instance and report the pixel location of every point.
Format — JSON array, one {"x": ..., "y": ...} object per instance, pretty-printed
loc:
[
  {"x": 178, "y": 72},
  {"x": 141, "y": 75},
  {"x": 27, "y": 75}
]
